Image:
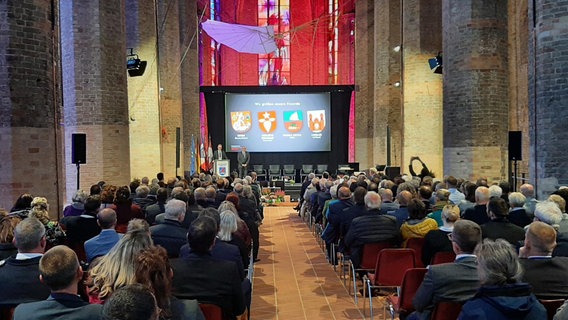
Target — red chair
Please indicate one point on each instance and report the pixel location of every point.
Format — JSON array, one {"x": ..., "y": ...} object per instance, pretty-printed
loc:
[
  {"x": 446, "y": 311},
  {"x": 211, "y": 311},
  {"x": 369, "y": 255},
  {"x": 402, "y": 304},
  {"x": 443, "y": 257},
  {"x": 416, "y": 244},
  {"x": 389, "y": 271},
  {"x": 551, "y": 306}
]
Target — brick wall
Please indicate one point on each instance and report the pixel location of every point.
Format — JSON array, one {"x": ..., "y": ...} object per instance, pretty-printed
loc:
[
  {"x": 28, "y": 146},
  {"x": 475, "y": 87},
  {"x": 548, "y": 90}
]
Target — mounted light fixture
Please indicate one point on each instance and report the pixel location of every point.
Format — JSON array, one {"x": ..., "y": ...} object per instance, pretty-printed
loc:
[
  {"x": 134, "y": 65},
  {"x": 396, "y": 84},
  {"x": 396, "y": 49},
  {"x": 436, "y": 63}
]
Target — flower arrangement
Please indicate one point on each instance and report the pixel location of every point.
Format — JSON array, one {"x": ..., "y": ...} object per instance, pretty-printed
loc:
[{"x": 280, "y": 195}]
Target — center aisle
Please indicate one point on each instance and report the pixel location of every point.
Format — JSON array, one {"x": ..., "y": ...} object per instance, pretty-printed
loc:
[{"x": 293, "y": 280}]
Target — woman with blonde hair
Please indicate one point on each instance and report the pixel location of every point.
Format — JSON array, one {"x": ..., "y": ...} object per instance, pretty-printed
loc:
[
  {"x": 437, "y": 240},
  {"x": 7, "y": 226},
  {"x": 117, "y": 268},
  {"x": 53, "y": 232}
]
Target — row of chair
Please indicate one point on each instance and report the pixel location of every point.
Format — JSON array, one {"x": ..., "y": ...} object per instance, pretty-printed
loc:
[{"x": 278, "y": 172}]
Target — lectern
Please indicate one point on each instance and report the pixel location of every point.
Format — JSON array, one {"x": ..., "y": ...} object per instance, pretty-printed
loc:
[{"x": 222, "y": 168}]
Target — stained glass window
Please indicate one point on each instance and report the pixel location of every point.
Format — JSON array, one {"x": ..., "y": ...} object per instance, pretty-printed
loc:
[{"x": 274, "y": 68}]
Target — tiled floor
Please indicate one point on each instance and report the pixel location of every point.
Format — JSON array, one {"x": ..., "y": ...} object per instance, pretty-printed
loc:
[{"x": 293, "y": 280}]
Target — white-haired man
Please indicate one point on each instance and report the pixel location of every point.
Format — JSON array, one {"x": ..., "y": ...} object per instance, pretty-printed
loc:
[
  {"x": 517, "y": 213},
  {"x": 478, "y": 213},
  {"x": 527, "y": 190},
  {"x": 171, "y": 234}
]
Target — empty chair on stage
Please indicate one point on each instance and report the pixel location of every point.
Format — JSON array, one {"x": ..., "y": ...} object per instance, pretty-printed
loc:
[{"x": 274, "y": 172}]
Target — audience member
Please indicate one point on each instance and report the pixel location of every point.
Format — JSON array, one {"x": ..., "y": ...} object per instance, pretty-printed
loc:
[
  {"x": 468, "y": 189},
  {"x": 372, "y": 227},
  {"x": 455, "y": 197},
  {"x": 517, "y": 213},
  {"x": 202, "y": 277},
  {"x": 499, "y": 226},
  {"x": 171, "y": 234},
  {"x": 125, "y": 210},
  {"x": 154, "y": 271},
  {"x": 401, "y": 214},
  {"x": 53, "y": 232},
  {"x": 495, "y": 191},
  {"x": 19, "y": 274},
  {"x": 102, "y": 243},
  {"x": 77, "y": 206},
  {"x": 437, "y": 240},
  {"x": 141, "y": 197},
  {"x": 231, "y": 203},
  {"x": 132, "y": 302},
  {"x": 548, "y": 212},
  {"x": 455, "y": 282},
  {"x": 227, "y": 228},
  {"x": 442, "y": 196},
  {"x": 155, "y": 209},
  {"x": 59, "y": 270},
  {"x": 478, "y": 213},
  {"x": 107, "y": 196},
  {"x": 331, "y": 232},
  {"x": 386, "y": 201},
  {"x": 84, "y": 227},
  {"x": 546, "y": 274},
  {"x": 7, "y": 227},
  {"x": 417, "y": 225},
  {"x": 22, "y": 206},
  {"x": 116, "y": 268},
  {"x": 528, "y": 191},
  {"x": 357, "y": 210},
  {"x": 501, "y": 296}
]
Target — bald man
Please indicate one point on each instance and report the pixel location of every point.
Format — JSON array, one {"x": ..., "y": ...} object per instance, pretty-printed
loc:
[{"x": 545, "y": 273}]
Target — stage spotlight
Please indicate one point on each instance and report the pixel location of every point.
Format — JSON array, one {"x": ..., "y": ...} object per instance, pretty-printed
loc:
[
  {"x": 436, "y": 63},
  {"x": 134, "y": 65}
]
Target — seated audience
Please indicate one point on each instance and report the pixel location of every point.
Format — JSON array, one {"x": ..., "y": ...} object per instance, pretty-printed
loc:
[
  {"x": 141, "y": 198},
  {"x": 468, "y": 189},
  {"x": 502, "y": 295},
  {"x": 437, "y": 240},
  {"x": 387, "y": 204},
  {"x": 548, "y": 212},
  {"x": 102, "y": 243},
  {"x": 455, "y": 282},
  {"x": 53, "y": 232},
  {"x": 84, "y": 227},
  {"x": 107, "y": 196},
  {"x": 22, "y": 205},
  {"x": 227, "y": 228},
  {"x": 59, "y": 270},
  {"x": 159, "y": 207},
  {"x": 546, "y": 274},
  {"x": 528, "y": 191},
  {"x": 243, "y": 231},
  {"x": 417, "y": 225},
  {"x": 132, "y": 302},
  {"x": 455, "y": 197},
  {"x": 116, "y": 268},
  {"x": 76, "y": 208},
  {"x": 171, "y": 234},
  {"x": 154, "y": 271},
  {"x": 372, "y": 227},
  {"x": 19, "y": 274},
  {"x": 125, "y": 210},
  {"x": 442, "y": 196},
  {"x": 499, "y": 226},
  {"x": 478, "y": 213},
  {"x": 202, "y": 277},
  {"x": 517, "y": 213},
  {"x": 7, "y": 227},
  {"x": 357, "y": 210}
]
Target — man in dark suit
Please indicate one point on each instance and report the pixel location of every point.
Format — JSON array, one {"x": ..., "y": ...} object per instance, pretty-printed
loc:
[
  {"x": 202, "y": 277},
  {"x": 171, "y": 234},
  {"x": 357, "y": 210},
  {"x": 219, "y": 154},
  {"x": 499, "y": 226},
  {"x": 60, "y": 270},
  {"x": 401, "y": 214},
  {"x": 546, "y": 274},
  {"x": 478, "y": 213},
  {"x": 82, "y": 228},
  {"x": 102, "y": 243},
  {"x": 518, "y": 214},
  {"x": 19, "y": 274},
  {"x": 457, "y": 281},
  {"x": 243, "y": 158},
  {"x": 331, "y": 232}
]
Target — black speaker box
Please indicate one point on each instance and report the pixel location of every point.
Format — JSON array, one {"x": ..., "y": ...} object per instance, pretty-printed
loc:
[
  {"x": 78, "y": 148},
  {"x": 392, "y": 172},
  {"x": 515, "y": 145}
]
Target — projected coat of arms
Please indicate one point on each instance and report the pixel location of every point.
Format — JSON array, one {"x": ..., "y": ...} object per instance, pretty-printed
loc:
[
  {"x": 316, "y": 120},
  {"x": 267, "y": 121},
  {"x": 293, "y": 120},
  {"x": 241, "y": 121}
]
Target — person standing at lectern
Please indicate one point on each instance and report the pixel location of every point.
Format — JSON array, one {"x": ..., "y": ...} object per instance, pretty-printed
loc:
[
  {"x": 243, "y": 158},
  {"x": 219, "y": 154}
]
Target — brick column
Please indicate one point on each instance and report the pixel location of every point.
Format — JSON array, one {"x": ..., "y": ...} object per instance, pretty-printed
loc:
[
  {"x": 475, "y": 88},
  {"x": 548, "y": 95},
  {"x": 94, "y": 87},
  {"x": 28, "y": 148}
]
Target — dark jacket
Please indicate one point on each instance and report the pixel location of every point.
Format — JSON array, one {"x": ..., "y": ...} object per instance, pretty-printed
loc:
[
  {"x": 510, "y": 302},
  {"x": 477, "y": 214},
  {"x": 370, "y": 228},
  {"x": 519, "y": 217},
  {"x": 20, "y": 281},
  {"x": 170, "y": 235},
  {"x": 80, "y": 228},
  {"x": 501, "y": 228},
  {"x": 355, "y": 211},
  {"x": 59, "y": 306},
  {"x": 331, "y": 232},
  {"x": 435, "y": 241},
  {"x": 547, "y": 276}
]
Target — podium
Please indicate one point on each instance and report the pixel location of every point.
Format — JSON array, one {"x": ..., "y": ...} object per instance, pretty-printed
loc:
[{"x": 222, "y": 168}]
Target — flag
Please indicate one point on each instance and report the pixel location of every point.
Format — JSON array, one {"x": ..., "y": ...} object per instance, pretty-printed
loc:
[
  {"x": 192, "y": 163},
  {"x": 210, "y": 154}
]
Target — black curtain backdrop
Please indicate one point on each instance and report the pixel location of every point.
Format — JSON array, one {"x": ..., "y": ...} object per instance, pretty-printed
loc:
[{"x": 340, "y": 104}]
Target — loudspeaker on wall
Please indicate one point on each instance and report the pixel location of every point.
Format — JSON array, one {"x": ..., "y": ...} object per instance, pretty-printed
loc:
[
  {"x": 79, "y": 148},
  {"x": 515, "y": 145}
]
